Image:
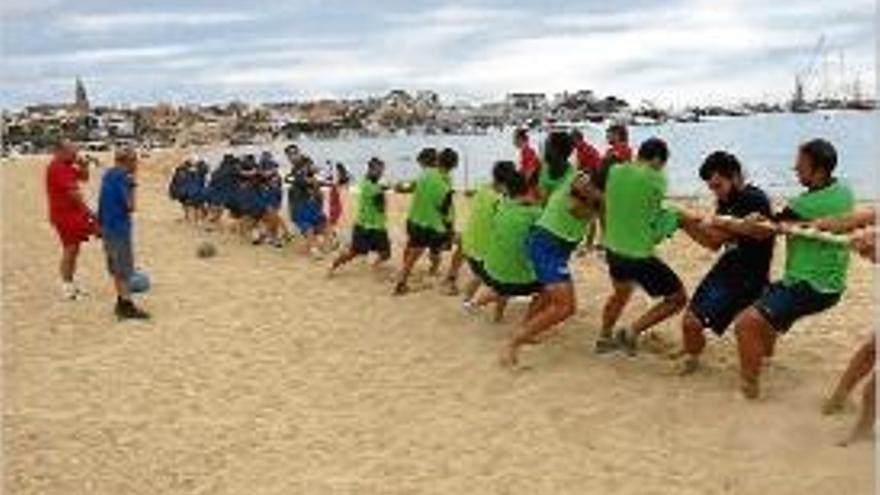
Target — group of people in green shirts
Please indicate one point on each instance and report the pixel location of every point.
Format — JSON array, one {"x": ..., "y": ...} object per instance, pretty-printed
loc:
[{"x": 523, "y": 229}]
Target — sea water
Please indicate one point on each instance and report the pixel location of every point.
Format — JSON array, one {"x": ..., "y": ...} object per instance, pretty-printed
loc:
[{"x": 766, "y": 144}]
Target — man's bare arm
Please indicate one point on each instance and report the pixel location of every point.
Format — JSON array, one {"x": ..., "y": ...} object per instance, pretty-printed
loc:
[{"x": 859, "y": 219}]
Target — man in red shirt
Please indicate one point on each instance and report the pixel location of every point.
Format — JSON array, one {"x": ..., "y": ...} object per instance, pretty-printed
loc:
[
  {"x": 529, "y": 163},
  {"x": 618, "y": 144},
  {"x": 72, "y": 218},
  {"x": 588, "y": 157}
]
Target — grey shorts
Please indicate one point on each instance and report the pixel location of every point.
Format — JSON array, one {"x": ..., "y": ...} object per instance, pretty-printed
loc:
[{"x": 120, "y": 259}]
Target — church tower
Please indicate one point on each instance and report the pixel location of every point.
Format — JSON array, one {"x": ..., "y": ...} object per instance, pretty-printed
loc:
[{"x": 81, "y": 104}]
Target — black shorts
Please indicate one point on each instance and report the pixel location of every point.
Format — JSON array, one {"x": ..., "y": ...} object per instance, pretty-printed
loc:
[
  {"x": 477, "y": 269},
  {"x": 448, "y": 241},
  {"x": 782, "y": 304},
  {"x": 512, "y": 290},
  {"x": 651, "y": 274},
  {"x": 365, "y": 241},
  {"x": 422, "y": 237},
  {"x": 722, "y": 295}
]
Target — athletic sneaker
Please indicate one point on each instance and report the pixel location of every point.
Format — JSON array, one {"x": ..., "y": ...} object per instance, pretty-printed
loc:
[
  {"x": 470, "y": 307},
  {"x": 627, "y": 342},
  {"x": 126, "y": 310}
]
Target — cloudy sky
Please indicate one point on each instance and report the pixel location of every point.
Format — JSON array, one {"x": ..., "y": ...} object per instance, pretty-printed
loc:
[{"x": 670, "y": 52}]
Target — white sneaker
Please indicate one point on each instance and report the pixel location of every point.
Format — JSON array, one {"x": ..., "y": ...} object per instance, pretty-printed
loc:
[
  {"x": 470, "y": 308},
  {"x": 69, "y": 291}
]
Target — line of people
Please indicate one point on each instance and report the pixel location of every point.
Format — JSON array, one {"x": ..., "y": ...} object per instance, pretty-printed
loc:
[
  {"x": 250, "y": 191},
  {"x": 526, "y": 224}
]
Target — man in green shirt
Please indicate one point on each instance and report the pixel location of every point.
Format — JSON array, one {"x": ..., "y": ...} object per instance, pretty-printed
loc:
[
  {"x": 477, "y": 233},
  {"x": 815, "y": 270},
  {"x": 555, "y": 169},
  {"x": 635, "y": 223},
  {"x": 426, "y": 223},
  {"x": 369, "y": 234},
  {"x": 557, "y": 232},
  {"x": 506, "y": 268}
]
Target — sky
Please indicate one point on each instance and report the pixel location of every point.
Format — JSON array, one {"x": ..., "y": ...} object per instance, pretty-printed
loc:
[{"x": 669, "y": 53}]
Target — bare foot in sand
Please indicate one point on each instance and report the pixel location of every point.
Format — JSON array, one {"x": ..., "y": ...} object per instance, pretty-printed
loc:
[
  {"x": 400, "y": 289},
  {"x": 833, "y": 405},
  {"x": 863, "y": 434},
  {"x": 687, "y": 365},
  {"x": 508, "y": 356}
]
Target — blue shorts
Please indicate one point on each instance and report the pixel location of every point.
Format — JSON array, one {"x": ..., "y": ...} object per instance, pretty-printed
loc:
[
  {"x": 120, "y": 256},
  {"x": 782, "y": 304},
  {"x": 549, "y": 255},
  {"x": 249, "y": 203},
  {"x": 651, "y": 274},
  {"x": 309, "y": 217},
  {"x": 721, "y": 296}
]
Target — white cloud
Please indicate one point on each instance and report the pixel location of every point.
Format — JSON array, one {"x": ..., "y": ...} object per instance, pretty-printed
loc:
[
  {"x": 123, "y": 21},
  {"x": 101, "y": 56},
  {"x": 690, "y": 50}
]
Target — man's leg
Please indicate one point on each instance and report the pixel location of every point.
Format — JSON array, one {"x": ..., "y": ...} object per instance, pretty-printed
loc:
[
  {"x": 693, "y": 341},
  {"x": 669, "y": 306},
  {"x": 69, "y": 256},
  {"x": 410, "y": 256},
  {"x": 560, "y": 306},
  {"x": 342, "y": 259},
  {"x": 536, "y": 305},
  {"x": 859, "y": 366},
  {"x": 472, "y": 287},
  {"x": 454, "y": 268},
  {"x": 751, "y": 327},
  {"x": 864, "y": 429},
  {"x": 435, "y": 258},
  {"x": 500, "y": 306},
  {"x": 615, "y": 304},
  {"x": 120, "y": 263}
]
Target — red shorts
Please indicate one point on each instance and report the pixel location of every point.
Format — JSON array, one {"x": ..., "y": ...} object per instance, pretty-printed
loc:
[{"x": 73, "y": 231}]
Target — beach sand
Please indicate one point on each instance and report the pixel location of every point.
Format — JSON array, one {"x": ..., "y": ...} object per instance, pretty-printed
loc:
[{"x": 259, "y": 376}]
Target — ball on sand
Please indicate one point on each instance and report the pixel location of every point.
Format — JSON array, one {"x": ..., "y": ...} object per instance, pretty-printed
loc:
[
  {"x": 139, "y": 282},
  {"x": 206, "y": 250}
]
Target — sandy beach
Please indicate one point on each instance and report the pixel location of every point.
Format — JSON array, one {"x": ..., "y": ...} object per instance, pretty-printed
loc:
[{"x": 259, "y": 376}]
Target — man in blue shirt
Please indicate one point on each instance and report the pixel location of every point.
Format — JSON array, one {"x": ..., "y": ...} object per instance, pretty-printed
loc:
[{"x": 115, "y": 204}]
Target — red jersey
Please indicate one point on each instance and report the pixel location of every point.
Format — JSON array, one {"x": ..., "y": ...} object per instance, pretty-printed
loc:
[
  {"x": 70, "y": 218},
  {"x": 528, "y": 161},
  {"x": 619, "y": 152},
  {"x": 588, "y": 157},
  {"x": 334, "y": 205},
  {"x": 61, "y": 179}
]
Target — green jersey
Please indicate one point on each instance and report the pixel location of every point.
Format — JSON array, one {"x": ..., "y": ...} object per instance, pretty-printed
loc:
[
  {"x": 635, "y": 219},
  {"x": 507, "y": 259},
  {"x": 371, "y": 205},
  {"x": 823, "y": 265},
  {"x": 477, "y": 233},
  {"x": 431, "y": 192},
  {"x": 549, "y": 184},
  {"x": 558, "y": 219}
]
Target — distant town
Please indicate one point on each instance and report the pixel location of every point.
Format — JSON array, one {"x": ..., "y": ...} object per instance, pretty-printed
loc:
[{"x": 34, "y": 128}]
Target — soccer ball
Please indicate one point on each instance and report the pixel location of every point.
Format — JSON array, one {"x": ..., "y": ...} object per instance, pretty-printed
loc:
[
  {"x": 139, "y": 282},
  {"x": 206, "y": 250}
]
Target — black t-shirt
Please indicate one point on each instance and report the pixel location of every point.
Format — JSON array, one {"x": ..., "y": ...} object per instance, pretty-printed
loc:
[{"x": 746, "y": 257}]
